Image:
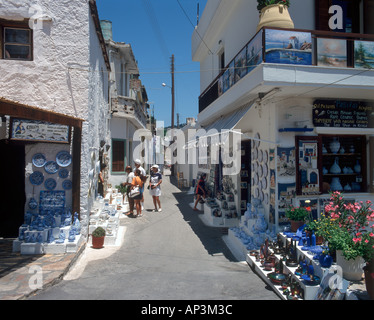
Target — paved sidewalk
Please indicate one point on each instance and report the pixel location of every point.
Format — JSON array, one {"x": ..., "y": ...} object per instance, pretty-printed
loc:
[{"x": 20, "y": 274}]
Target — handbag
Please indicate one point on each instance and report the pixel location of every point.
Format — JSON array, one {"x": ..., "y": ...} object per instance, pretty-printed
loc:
[{"x": 134, "y": 192}]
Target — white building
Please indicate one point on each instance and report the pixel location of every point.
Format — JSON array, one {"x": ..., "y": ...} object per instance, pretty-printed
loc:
[
  {"x": 128, "y": 106},
  {"x": 289, "y": 104},
  {"x": 54, "y": 85}
]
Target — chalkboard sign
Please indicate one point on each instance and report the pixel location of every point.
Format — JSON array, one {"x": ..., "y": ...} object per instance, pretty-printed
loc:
[{"x": 342, "y": 114}]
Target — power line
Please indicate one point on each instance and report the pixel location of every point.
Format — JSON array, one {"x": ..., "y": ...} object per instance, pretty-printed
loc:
[{"x": 197, "y": 32}]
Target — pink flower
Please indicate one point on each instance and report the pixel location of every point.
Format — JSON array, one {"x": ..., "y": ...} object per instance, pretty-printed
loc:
[
  {"x": 366, "y": 241},
  {"x": 371, "y": 234},
  {"x": 355, "y": 240}
]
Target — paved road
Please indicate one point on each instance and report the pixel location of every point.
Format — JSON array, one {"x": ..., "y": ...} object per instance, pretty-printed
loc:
[{"x": 168, "y": 255}]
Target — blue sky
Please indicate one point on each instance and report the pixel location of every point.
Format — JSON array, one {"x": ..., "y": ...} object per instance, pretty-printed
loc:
[{"x": 156, "y": 29}]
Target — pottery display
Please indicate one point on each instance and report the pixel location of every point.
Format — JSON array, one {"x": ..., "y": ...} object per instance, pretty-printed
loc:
[
  {"x": 335, "y": 184},
  {"x": 334, "y": 145},
  {"x": 335, "y": 169},
  {"x": 357, "y": 167}
]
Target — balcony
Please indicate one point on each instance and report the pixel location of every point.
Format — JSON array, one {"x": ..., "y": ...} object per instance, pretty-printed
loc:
[
  {"x": 295, "y": 58},
  {"x": 129, "y": 108}
]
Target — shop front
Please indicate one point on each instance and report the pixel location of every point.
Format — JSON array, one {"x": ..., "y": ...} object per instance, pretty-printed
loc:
[{"x": 41, "y": 166}]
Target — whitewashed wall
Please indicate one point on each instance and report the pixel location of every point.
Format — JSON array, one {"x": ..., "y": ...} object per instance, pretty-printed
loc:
[{"x": 66, "y": 73}]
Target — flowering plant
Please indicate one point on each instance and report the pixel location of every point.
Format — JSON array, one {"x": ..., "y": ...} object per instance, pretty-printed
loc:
[
  {"x": 297, "y": 213},
  {"x": 350, "y": 227},
  {"x": 264, "y": 3}
]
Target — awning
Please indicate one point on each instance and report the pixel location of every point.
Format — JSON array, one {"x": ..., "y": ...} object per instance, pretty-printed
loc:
[
  {"x": 17, "y": 109},
  {"x": 225, "y": 124}
]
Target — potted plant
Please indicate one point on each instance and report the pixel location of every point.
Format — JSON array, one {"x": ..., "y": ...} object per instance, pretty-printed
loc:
[
  {"x": 312, "y": 227},
  {"x": 297, "y": 216},
  {"x": 351, "y": 235},
  {"x": 274, "y": 13},
  {"x": 98, "y": 237}
]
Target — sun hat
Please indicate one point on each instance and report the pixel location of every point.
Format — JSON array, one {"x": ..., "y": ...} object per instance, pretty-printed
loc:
[{"x": 137, "y": 161}]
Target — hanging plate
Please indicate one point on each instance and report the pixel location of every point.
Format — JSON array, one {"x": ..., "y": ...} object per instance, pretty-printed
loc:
[
  {"x": 63, "y": 173},
  {"x": 51, "y": 167},
  {"x": 63, "y": 158},
  {"x": 39, "y": 160},
  {"x": 50, "y": 184},
  {"x": 36, "y": 178},
  {"x": 67, "y": 185},
  {"x": 33, "y": 204}
]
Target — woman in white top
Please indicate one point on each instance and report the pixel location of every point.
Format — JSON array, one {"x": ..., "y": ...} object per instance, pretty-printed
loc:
[
  {"x": 154, "y": 187},
  {"x": 129, "y": 178}
]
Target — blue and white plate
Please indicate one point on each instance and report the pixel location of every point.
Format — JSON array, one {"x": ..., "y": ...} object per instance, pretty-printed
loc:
[
  {"x": 36, "y": 178},
  {"x": 51, "y": 167},
  {"x": 33, "y": 204},
  {"x": 50, "y": 184},
  {"x": 63, "y": 158},
  {"x": 67, "y": 185},
  {"x": 63, "y": 173},
  {"x": 39, "y": 160}
]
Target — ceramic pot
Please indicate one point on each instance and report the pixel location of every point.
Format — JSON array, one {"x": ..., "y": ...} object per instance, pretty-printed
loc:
[
  {"x": 335, "y": 184},
  {"x": 325, "y": 260},
  {"x": 98, "y": 242},
  {"x": 352, "y": 269},
  {"x": 357, "y": 167},
  {"x": 334, "y": 145},
  {"x": 335, "y": 169},
  {"x": 369, "y": 278},
  {"x": 296, "y": 225},
  {"x": 275, "y": 15}
]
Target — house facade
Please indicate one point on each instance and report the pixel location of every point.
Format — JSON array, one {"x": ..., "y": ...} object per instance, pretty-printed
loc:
[
  {"x": 54, "y": 106},
  {"x": 128, "y": 107},
  {"x": 299, "y": 101}
]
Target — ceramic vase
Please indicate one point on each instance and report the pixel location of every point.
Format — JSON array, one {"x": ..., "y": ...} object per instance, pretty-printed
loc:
[
  {"x": 325, "y": 260},
  {"x": 335, "y": 184},
  {"x": 352, "y": 269},
  {"x": 357, "y": 167},
  {"x": 334, "y": 145},
  {"x": 275, "y": 15},
  {"x": 335, "y": 169}
]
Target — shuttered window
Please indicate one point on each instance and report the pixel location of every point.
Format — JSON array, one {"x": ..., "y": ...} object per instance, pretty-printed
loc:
[{"x": 118, "y": 155}]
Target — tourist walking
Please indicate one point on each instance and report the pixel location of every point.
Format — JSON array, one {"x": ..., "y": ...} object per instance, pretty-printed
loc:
[
  {"x": 127, "y": 183},
  {"x": 154, "y": 187},
  {"x": 137, "y": 182},
  {"x": 200, "y": 190},
  {"x": 138, "y": 165}
]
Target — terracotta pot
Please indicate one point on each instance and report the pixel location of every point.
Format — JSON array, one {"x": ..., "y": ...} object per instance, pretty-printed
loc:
[
  {"x": 98, "y": 242},
  {"x": 319, "y": 240},
  {"x": 275, "y": 15},
  {"x": 296, "y": 225}
]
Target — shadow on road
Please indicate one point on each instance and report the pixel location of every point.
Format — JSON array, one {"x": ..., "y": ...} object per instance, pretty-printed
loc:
[{"x": 211, "y": 237}]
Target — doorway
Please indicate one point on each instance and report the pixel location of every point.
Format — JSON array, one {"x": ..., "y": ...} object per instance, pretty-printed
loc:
[{"x": 12, "y": 195}]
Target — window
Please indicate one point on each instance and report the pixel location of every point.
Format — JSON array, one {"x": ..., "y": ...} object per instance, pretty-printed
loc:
[
  {"x": 222, "y": 60},
  {"x": 118, "y": 155},
  {"x": 16, "y": 43}
]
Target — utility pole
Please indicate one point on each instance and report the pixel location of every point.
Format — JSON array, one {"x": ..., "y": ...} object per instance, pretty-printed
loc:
[{"x": 172, "y": 91}]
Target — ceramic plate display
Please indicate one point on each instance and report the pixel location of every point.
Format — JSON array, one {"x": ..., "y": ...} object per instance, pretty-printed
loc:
[
  {"x": 264, "y": 183},
  {"x": 260, "y": 172},
  {"x": 63, "y": 158},
  {"x": 36, "y": 178},
  {"x": 33, "y": 204},
  {"x": 265, "y": 169},
  {"x": 50, "y": 184},
  {"x": 51, "y": 167},
  {"x": 266, "y": 200},
  {"x": 257, "y": 136},
  {"x": 260, "y": 155},
  {"x": 39, "y": 160},
  {"x": 266, "y": 156},
  {"x": 63, "y": 173},
  {"x": 67, "y": 185}
]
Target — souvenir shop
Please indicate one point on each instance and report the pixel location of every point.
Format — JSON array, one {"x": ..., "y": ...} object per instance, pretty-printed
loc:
[{"x": 41, "y": 166}]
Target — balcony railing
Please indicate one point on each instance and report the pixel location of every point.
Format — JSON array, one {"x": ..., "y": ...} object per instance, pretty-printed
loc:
[
  {"x": 295, "y": 47},
  {"x": 128, "y": 107}
]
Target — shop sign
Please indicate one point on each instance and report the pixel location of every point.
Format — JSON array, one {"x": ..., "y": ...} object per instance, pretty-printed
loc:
[
  {"x": 341, "y": 114},
  {"x": 22, "y": 129}
]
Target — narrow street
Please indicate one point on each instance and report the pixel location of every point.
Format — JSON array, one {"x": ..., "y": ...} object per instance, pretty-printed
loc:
[{"x": 168, "y": 255}]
